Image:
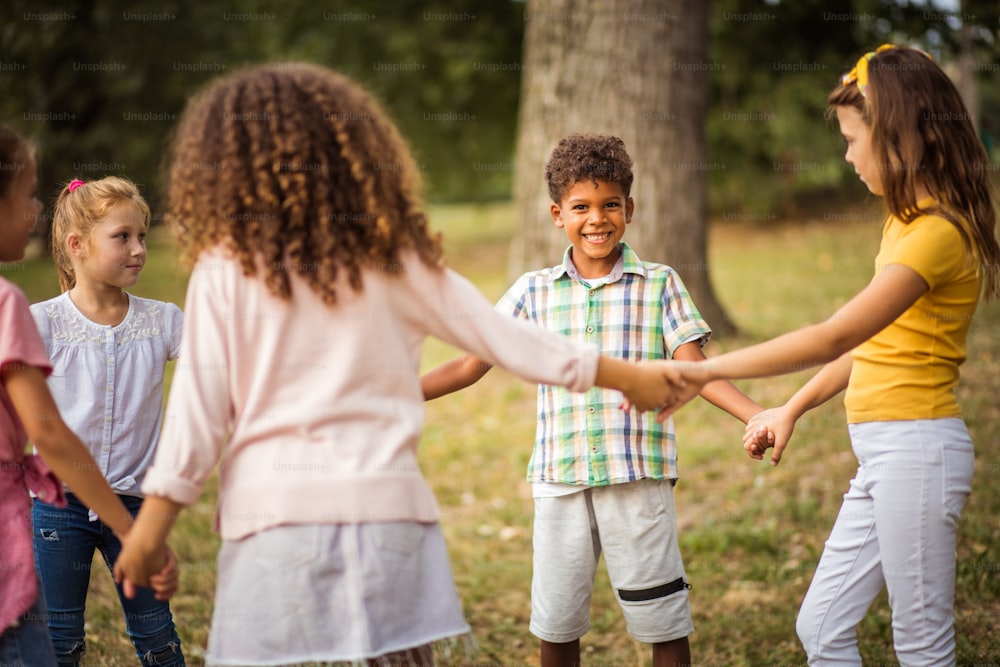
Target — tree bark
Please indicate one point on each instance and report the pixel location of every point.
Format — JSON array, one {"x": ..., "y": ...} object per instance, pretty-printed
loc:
[{"x": 637, "y": 69}]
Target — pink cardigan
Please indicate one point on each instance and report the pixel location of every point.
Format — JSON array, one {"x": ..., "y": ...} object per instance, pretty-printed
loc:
[{"x": 316, "y": 412}]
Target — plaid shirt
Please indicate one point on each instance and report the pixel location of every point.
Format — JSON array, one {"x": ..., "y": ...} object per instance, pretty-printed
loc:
[{"x": 639, "y": 311}]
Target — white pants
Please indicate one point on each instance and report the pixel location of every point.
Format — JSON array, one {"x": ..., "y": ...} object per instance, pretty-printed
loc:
[{"x": 896, "y": 528}]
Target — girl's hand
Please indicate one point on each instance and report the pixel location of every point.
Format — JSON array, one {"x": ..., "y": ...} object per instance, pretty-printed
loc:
[
  {"x": 660, "y": 386},
  {"x": 757, "y": 437},
  {"x": 145, "y": 559},
  {"x": 692, "y": 378},
  {"x": 668, "y": 386},
  {"x": 770, "y": 428},
  {"x": 652, "y": 385},
  {"x": 165, "y": 582},
  {"x": 141, "y": 561}
]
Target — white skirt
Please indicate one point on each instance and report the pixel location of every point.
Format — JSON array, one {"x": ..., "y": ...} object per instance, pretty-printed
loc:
[{"x": 333, "y": 593}]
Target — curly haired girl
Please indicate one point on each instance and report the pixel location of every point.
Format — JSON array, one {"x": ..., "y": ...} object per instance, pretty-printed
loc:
[{"x": 315, "y": 282}]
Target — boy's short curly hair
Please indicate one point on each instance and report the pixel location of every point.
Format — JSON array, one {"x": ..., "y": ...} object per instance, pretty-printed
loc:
[{"x": 581, "y": 157}]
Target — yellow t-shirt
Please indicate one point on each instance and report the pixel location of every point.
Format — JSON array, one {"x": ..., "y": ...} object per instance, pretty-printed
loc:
[{"x": 909, "y": 370}]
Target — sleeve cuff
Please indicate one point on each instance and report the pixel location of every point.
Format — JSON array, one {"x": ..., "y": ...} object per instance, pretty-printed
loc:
[
  {"x": 588, "y": 369},
  {"x": 173, "y": 487}
]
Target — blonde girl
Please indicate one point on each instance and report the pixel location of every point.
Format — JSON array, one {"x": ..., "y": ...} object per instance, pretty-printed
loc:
[{"x": 108, "y": 350}]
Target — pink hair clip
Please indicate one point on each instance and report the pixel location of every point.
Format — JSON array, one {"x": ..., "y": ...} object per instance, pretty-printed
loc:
[{"x": 74, "y": 184}]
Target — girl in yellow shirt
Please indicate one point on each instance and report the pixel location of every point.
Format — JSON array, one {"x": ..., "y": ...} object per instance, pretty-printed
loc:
[{"x": 896, "y": 348}]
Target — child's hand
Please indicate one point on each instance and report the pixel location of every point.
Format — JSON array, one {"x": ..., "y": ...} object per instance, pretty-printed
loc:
[
  {"x": 165, "y": 582},
  {"x": 145, "y": 559},
  {"x": 652, "y": 387},
  {"x": 770, "y": 428},
  {"x": 664, "y": 386},
  {"x": 757, "y": 437},
  {"x": 140, "y": 562}
]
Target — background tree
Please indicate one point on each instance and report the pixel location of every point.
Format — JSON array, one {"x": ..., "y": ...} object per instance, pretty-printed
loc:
[
  {"x": 635, "y": 69},
  {"x": 98, "y": 84}
]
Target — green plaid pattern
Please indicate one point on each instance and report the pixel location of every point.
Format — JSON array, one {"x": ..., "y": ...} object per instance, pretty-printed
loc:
[{"x": 639, "y": 311}]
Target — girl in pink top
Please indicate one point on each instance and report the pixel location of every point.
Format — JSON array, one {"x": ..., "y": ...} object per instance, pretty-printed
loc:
[
  {"x": 27, "y": 410},
  {"x": 315, "y": 282}
]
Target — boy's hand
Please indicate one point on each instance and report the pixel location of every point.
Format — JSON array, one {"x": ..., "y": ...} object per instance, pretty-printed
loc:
[{"x": 770, "y": 428}]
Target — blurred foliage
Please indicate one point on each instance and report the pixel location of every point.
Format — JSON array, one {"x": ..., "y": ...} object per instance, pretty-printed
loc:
[
  {"x": 778, "y": 61},
  {"x": 98, "y": 84}
]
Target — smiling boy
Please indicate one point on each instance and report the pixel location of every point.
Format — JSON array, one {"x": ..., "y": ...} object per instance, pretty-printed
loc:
[{"x": 602, "y": 478}]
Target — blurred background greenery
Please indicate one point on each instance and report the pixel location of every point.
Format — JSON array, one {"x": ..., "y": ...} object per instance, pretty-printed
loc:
[{"x": 99, "y": 83}]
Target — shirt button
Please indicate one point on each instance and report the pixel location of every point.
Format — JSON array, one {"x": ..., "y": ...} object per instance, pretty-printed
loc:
[
  {"x": 590, "y": 329},
  {"x": 593, "y": 292},
  {"x": 105, "y": 448},
  {"x": 111, "y": 388},
  {"x": 108, "y": 418},
  {"x": 593, "y": 449},
  {"x": 591, "y": 409}
]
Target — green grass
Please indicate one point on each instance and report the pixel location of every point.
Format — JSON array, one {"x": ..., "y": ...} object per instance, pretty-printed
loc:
[{"x": 750, "y": 534}]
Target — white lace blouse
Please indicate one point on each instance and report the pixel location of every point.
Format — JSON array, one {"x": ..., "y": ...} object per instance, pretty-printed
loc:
[{"x": 108, "y": 381}]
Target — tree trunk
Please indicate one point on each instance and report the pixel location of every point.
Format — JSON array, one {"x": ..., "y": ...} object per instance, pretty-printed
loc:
[{"x": 637, "y": 69}]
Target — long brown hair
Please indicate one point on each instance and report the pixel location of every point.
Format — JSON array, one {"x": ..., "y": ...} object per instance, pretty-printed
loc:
[
  {"x": 78, "y": 210},
  {"x": 922, "y": 135},
  {"x": 14, "y": 153},
  {"x": 295, "y": 169}
]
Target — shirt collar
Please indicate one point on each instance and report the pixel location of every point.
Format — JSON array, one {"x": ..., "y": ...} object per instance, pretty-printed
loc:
[{"x": 628, "y": 262}]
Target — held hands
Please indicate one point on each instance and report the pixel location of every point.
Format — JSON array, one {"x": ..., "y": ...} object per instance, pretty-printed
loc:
[
  {"x": 653, "y": 387},
  {"x": 165, "y": 582},
  {"x": 152, "y": 566},
  {"x": 770, "y": 428},
  {"x": 664, "y": 386}
]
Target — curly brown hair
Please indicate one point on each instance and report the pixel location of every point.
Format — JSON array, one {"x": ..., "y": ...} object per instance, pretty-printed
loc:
[
  {"x": 295, "y": 169},
  {"x": 581, "y": 157}
]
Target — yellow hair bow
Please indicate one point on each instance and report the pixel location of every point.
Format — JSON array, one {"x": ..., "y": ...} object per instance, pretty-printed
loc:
[{"x": 860, "y": 72}]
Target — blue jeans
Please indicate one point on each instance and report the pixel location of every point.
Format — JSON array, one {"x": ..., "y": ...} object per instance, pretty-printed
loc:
[
  {"x": 28, "y": 644},
  {"x": 65, "y": 540}
]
